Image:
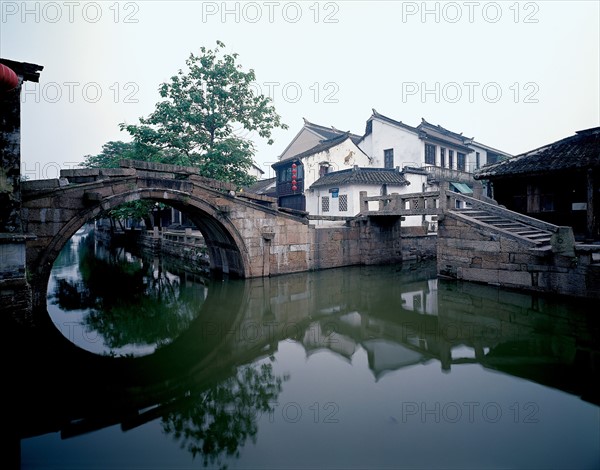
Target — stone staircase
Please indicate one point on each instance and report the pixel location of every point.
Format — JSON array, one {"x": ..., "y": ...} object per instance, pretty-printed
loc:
[{"x": 505, "y": 222}]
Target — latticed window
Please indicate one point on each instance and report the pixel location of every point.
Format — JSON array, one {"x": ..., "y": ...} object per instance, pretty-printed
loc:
[
  {"x": 430, "y": 154},
  {"x": 325, "y": 203},
  {"x": 388, "y": 158},
  {"x": 343, "y": 202},
  {"x": 461, "y": 161}
]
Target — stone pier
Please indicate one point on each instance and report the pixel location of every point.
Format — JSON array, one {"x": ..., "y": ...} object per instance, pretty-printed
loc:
[{"x": 15, "y": 293}]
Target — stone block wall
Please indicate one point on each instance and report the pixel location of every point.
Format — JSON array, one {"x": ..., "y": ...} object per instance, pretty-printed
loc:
[
  {"x": 474, "y": 254},
  {"x": 333, "y": 247}
]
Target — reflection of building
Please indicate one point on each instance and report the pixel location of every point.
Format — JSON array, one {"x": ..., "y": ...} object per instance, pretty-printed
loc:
[{"x": 558, "y": 183}]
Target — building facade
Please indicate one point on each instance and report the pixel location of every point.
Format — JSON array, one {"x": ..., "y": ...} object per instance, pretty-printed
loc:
[{"x": 426, "y": 155}]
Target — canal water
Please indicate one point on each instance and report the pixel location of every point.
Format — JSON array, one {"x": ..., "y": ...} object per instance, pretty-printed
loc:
[{"x": 143, "y": 365}]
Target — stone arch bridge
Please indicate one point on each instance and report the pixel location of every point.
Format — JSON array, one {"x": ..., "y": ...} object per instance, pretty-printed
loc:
[{"x": 247, "y": 235}]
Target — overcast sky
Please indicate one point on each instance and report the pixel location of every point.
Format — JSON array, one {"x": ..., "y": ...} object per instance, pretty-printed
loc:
[{"x": 513, "y": 75}]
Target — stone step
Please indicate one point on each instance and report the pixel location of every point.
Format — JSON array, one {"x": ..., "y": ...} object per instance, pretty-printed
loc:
[
  {"x": 539, "y": 235},
  {"x": 509, "y": 225},
  {"x": 529, "y": 232}
]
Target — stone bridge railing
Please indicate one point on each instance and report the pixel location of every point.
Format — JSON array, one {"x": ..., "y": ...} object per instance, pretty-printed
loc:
[
  {"x": 437, "y": 202},
  {"x": 451, "y": 201},
  {"x": 424, "y": 203}
]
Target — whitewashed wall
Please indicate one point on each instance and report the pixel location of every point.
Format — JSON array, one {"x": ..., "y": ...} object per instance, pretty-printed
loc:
[
  {"x": 408, "y": 148},
  {"x": 341, "y": 157}
]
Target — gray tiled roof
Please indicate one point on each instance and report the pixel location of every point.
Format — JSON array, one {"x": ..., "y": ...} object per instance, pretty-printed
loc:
[
  {"x": 262, "y": 186},
  {"x": 322, "y": 146},
  {"x": 358, "y": 175},
  {"x": 438, "y": 133},
  {"x": 393, "y": 121},
  {"x": 576, "y": 152},
  {"x": 329, "y": 132}
]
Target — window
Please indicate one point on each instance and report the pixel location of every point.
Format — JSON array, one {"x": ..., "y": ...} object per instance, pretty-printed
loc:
[
  {"x": 450, "y": 158},
  {"x": 325, "y": 204},
  {"x": 343, "y": 202},
  {"x": 429, "y": 154},
  {"x": 388, "y": 158},
  {"x": 461, "y": 161},
  {"x": 323, "y": 170},
  {"x": 442, "y": 157},
  {"x": 493, "y": 158},
  {"x": 477, "y": 160}
]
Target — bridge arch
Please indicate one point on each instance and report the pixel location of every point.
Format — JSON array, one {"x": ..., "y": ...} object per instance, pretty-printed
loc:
[{"x": 227, "y": 249}]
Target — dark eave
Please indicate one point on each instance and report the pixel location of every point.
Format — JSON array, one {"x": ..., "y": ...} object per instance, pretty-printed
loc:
[
  {"x": 324, "y": 145},
  {"x": 359, "y": 175},
  {"x": 578, "y": 152},
  {"x": 29, "y": 72}
]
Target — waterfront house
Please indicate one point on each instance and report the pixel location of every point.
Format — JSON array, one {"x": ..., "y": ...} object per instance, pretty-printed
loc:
[
  {"x": 429, "y": 153},
  {"x": 445, "y": 154},
  {"x": 299, "y": 167},
  {"x": 338, "y": 193},
  {"x": 558, "y": 182}
]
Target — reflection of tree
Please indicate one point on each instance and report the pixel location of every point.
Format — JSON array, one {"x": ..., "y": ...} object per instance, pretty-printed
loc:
[
  {"x": 217, "y": 422},
  {"x": 128, "y": 303}
]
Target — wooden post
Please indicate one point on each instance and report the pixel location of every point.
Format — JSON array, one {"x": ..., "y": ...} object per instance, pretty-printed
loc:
[{"x": 364, "y": 204}]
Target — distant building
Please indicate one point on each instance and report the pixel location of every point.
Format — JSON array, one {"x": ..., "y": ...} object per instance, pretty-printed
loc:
[
  {"x": 255, "y": 171},
  {"x": 266, "y": 187},
  {"x": 558, "y": 183},
  {"x": 427, "y": 154}
]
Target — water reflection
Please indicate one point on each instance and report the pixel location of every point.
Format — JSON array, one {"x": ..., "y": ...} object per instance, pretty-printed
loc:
[
  {"x": 132, "y": 303},
  {"x": 214, "y": 382}
]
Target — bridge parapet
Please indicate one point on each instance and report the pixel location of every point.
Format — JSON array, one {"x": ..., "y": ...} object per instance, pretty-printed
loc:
[{"x": 424, "y": 203}]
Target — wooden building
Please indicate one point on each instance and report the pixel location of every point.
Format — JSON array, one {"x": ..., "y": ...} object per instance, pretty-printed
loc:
[{"x": 558, "y": 183}]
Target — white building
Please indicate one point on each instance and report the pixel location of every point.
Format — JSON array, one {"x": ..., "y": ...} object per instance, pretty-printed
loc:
[
  {"x": 426, "y": 155},
  {"x": 393, "y": 143},
  {"x": 338, "y": 193},
  {"x": 298, "y": 169}
]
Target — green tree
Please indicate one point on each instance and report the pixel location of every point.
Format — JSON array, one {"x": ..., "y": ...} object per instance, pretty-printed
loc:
[
  {"x": 202, "y": 110},
  {"x": 112, "y": 152},
  {"x": 110, "y": 156}
]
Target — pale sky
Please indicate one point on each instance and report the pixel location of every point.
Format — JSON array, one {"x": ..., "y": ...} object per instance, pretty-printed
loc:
[{"x": 513, "y": 75}]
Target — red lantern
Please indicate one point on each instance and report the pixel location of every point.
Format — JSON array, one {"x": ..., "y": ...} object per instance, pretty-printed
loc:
[
  {"x": 294, "y": 166},
  {"x": 294, "y": 187},
  {"x": 8, "y": 78}
]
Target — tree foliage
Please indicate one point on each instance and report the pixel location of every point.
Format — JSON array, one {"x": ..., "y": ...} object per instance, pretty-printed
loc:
[
  {"x": 203, "y": 112},
  {"x": 110, "y": 156}
]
